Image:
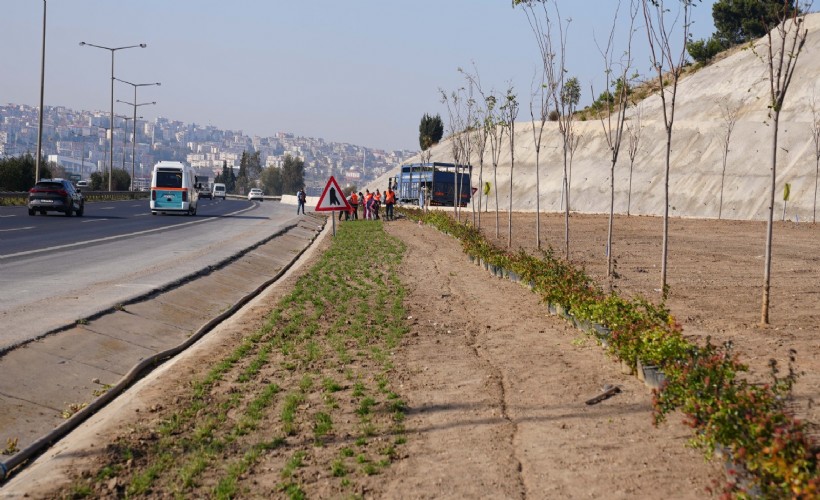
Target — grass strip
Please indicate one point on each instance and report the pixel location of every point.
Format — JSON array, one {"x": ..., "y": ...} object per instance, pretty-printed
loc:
[{"x": 344, "y": 315}]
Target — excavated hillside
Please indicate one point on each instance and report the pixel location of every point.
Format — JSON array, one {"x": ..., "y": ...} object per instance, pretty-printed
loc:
[{"x": 740, "y": 82}]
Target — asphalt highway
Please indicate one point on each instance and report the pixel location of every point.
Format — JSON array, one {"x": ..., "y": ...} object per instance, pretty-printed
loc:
[{"x": 56, "y": 270}]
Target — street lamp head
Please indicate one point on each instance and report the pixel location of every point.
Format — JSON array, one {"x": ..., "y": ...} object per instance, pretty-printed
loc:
[
  {"x": 82, "y": 43},
  {"x": 143, "y": 45}
]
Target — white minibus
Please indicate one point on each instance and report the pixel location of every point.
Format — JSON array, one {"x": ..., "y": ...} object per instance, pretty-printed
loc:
[{"x": 173, "y": 189}]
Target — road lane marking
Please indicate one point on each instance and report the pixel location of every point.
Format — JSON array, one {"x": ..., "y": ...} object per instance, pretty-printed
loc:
[
  {"x": 1, "y": 216},
  {"x": 17, "y": 229},
  {"x": 106, "y": 208},
  {"x": 119, "y": 236},
  {"x": 95, "y": 220}
]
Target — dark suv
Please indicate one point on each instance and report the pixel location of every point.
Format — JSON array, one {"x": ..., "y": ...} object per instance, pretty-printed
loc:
[{"x": 56, "y": 195}]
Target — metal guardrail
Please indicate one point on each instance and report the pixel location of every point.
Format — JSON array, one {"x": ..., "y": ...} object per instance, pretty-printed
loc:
[
  {"x": 245, "y": 197},
  {"x": 20, "y": 198}
]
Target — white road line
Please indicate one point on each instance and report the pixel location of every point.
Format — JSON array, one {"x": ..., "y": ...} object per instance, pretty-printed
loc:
[
  {"x": 2, "y": 216},
  {"x": 106, "y": 208},
  {"x": 95, "y": 220},
  {"x": 17, "y": 229},
  {"x": 117, "y": 237}
]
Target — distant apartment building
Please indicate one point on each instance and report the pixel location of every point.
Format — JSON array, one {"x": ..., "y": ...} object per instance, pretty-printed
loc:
[{"x": 78, "y": 140}]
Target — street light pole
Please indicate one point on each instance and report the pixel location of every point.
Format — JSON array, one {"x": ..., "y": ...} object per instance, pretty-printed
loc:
[
  {"x": 111, "y": 129},
  {"x": 134, "y": 138},
  {"x": 42, "y": 91},
  {"x": 135, "y": 105},
  {"x": 125, "y": 147}
]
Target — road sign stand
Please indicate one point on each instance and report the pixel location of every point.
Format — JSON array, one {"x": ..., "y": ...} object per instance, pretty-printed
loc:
[{"x": 333, "y": 200}]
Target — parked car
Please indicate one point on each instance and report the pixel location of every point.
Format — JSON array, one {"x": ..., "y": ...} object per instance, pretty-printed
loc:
[
  {"x": 55, "y": 195},
  {"x": 82, "y": 184},
  {"x": 256, "y": 194}
]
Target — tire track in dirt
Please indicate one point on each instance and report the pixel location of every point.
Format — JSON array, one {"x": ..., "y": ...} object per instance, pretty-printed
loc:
[
  {"x": 496, "y": 374},
  {"x": 496, "y": 387},
  {"x": 460, "y": 438}
]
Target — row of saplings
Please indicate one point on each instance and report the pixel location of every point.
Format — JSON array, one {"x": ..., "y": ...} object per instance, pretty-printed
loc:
[{"x": 771, "y": 452}]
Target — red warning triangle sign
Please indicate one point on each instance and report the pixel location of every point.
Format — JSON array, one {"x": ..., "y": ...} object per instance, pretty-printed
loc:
[{"x": 333, "y": 198}]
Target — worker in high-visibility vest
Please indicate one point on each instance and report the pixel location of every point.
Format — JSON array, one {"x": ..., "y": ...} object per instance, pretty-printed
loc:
[
  {"x": 389, "y": 201},
  {"x": 354, "y": 205},
  {"x": 377, "y": 201},
  {"x": 368, "y": 204}
]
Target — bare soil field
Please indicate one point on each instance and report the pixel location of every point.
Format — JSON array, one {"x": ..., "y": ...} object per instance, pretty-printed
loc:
[
  {"x": 494, "y": 387},
  {"x": 715, "y": 275}
]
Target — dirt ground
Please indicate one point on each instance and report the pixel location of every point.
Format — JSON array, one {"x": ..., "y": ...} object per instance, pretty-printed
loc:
[
  {"x": 495, "y": 386},
  {"x": 715, "y": 275}
]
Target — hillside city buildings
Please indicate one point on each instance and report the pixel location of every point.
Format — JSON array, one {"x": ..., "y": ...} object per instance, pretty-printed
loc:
[{"x": 78, "y": 141}]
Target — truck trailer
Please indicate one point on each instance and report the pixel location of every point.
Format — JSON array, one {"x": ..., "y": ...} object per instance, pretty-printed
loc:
[
  {"x": 203, "y": 186},
  {"x": 444, "y": 182}
]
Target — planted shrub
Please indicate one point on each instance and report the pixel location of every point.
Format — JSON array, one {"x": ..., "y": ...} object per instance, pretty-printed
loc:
[{"x": 774, "y": 456}]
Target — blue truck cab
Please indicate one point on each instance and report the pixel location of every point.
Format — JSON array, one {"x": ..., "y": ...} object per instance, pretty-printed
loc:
[{"x": 444, "y": 182}]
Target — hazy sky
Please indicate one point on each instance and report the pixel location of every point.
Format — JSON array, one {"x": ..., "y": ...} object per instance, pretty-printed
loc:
[{"x": 360, "y": 71}]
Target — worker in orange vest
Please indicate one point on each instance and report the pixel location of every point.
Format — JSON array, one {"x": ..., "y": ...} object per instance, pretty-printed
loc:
[
  {"x": 368, "y": 204},
  {"x": 389, "y": 201},
  {"x": 377, "y": 201},
  {"x": 354, "y": 205}
]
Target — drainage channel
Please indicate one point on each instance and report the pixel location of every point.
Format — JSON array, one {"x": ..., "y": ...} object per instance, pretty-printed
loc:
[{"x": 62, "y": 379}]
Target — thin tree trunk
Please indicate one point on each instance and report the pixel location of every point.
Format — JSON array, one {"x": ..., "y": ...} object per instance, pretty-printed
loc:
[
  {"x": 566, "y": 208},
  {"x": 509, "y": 215},
  {"x": 816, "y": 171},
  {"x": 722, "y": 180},
  {"x": 537, "y": 200},
  {"x": 611, "y": 217},
  {"x": 665, "y": 244},
  {"x": 456, "y": 200},
  {"x": 767, "y": 259},
  {"x": 480, "y": 190},
  {"x": 629, "y": 193},
  {"x": 495, "y": 182}
]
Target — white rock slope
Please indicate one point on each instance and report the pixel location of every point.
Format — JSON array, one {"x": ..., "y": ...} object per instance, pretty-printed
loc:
[{"x": 739, "y": 80}]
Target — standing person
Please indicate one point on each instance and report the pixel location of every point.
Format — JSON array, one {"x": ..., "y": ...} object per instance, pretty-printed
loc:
[
  {"x": 377, "y": 202},
  {"x": 423, "y": 198},
  {"x": 389, "y": 201},
  {"x": 354, "y": 205},
  {"x": 361, "y": 202},
  {"x": 301, "y": 198},
  {"x": 368, "y": 204}
]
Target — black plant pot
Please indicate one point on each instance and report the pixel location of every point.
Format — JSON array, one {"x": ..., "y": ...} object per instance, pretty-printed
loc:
[{"x": 653, "y": 377}]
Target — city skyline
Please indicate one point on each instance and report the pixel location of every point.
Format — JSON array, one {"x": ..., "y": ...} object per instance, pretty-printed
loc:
[
  {"x": 362, "y": 73},
  {"x": 75, "y": 140}
]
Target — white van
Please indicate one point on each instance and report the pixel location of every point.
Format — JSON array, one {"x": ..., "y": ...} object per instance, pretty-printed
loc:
[
  {"x": 173, "y": 188},
  {"x": 219, "y": 191}
]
